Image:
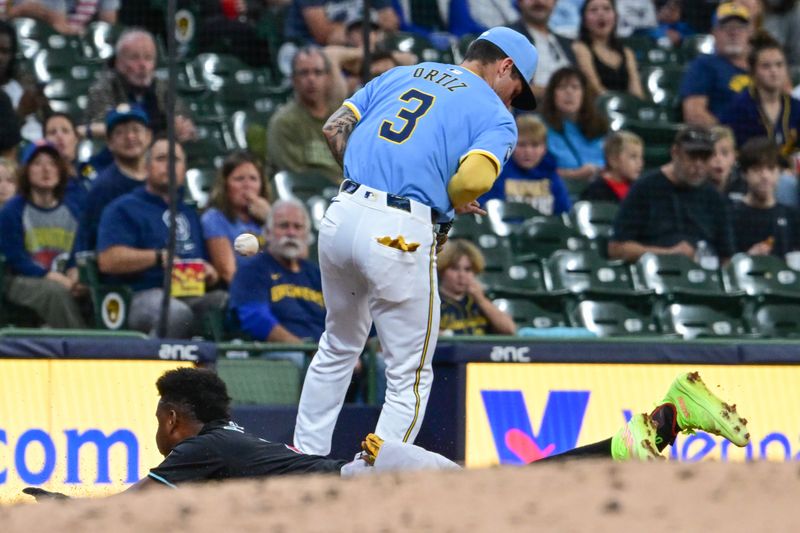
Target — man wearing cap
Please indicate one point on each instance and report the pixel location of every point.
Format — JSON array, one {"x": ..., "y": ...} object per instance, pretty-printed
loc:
[
  {"x": 712, "y": 81},
  {"x": 675, "y": 208},
  {"x": 417, "y": 144},
  {"x": 131, "y": 249},
  {"x": 129, "y": 136}
]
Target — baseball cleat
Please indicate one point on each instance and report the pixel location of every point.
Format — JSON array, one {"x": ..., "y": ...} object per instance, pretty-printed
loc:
[
  {"x": 698, "y": 408},
  {"x": 635, "y": 440}
]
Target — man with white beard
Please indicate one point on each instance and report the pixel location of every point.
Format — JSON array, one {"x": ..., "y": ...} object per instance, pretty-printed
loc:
[{"x": 276, "y": 296}]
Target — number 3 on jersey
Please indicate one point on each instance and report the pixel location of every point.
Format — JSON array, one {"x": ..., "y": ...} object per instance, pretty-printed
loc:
[{"x": 398, "y": 133}]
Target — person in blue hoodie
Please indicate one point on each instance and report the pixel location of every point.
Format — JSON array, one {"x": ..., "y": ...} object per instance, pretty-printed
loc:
[
  {"x": 530, "y": 176},
  {"x": 38, "y": 227}
]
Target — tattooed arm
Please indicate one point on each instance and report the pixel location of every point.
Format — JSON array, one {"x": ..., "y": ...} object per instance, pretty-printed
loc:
[{"x": 337, "y": 131}]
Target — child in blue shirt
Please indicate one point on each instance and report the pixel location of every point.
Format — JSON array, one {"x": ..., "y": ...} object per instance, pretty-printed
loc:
[{"x": 530, "y": 176}]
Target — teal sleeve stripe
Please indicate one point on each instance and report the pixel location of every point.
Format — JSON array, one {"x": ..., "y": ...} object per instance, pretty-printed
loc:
[{"x": 161, "y": 479}]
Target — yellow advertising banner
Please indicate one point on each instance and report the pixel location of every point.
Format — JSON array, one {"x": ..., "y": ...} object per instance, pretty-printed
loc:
[
  {"x": 81, "y": 427},
  {"x": 518, "y": 413}
]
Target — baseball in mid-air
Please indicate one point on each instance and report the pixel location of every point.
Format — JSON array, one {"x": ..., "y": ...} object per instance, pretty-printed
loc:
[{"x": 246, "y": 244}]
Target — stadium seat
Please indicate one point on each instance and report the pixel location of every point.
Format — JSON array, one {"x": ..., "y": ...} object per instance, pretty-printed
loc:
[
  {"x": 64, "y": 64},
  {"x": 697, "y": 44},
  {"x": 199, "y": 182},
  {"x": 619, "y": 104},
  {"x": 32, "y": 35},
  {"x": 496, "y": 251},
  {"x": 611, "y": 319},
  {"x": 258, "y": 381},
  {"x": 213, "y": 143},
  {"x": 662, "y": 84},
  {"x": 415, "y": 44},
  {"x": 584, "y": 273},
  {"x": 110, "y": 304},
  {"x": 468, "y": 227},
  {"x": 693, "y": 320},
  {"x": 529, "y": 313},
  {"x": 594, "y": 220},
  {"x": 249, "y": 128},
  {"x": 503, "y": 217},
  {"x": 206, "y": 105},
  {"x": 99, "y": 40},
  {"x": 676, "y": 277},
  {"x": 303, "y": 185},
  {"x": 89, "y": 147},
  {"x": 776, "y": 320},
  {"x": 317, "y": 205},
  {"x": 521, "y": 280},
  {"x": 764, "y": 277},
  {"x": 539, "y": 238},
  {"x": 221, "y": 70}
]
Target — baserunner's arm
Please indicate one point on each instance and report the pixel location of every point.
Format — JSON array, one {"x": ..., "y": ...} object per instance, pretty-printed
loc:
[
  {"x": 337, "y": 131},
  {"x": 475, "y": 176}
]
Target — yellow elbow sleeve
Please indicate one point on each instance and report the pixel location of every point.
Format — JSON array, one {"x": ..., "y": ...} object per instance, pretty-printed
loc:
[{"x": 474, "y": 177}]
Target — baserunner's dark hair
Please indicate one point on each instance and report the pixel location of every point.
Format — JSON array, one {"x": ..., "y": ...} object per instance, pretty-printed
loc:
[
  {"x": 484, "y": 52},
  {"x": 200, "y": 392}
]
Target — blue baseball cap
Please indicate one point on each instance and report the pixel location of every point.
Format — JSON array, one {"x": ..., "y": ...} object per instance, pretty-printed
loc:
[
  {"x": 38, "y": 146},
  {"x": 525, "y": 57},
  {"x": 125, "y": 113}
]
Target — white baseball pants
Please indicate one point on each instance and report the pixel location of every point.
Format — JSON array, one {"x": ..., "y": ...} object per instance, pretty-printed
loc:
[{"x": 365, "y": 282}]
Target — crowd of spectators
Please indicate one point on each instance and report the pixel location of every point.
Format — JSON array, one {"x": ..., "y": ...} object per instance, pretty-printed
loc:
[{"x": 730, "y": 184}]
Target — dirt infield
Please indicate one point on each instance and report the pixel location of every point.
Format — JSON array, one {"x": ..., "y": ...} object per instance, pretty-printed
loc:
[{"x": 578, "y": 496}]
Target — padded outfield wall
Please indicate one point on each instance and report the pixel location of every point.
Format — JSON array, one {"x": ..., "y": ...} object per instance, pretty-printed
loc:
[{"x": 77, "y": 415}]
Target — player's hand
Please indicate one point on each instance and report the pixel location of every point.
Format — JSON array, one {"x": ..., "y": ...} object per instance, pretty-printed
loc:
[
  {"x": 471, "y": 208},
  {"x": 44, "y": 495}
]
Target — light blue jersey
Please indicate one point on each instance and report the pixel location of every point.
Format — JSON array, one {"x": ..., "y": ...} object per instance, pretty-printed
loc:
[{"x": 416, "y": 125}]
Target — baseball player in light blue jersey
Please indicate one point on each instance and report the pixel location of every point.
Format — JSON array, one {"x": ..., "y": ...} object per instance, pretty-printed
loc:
[{"x": 417, "y": 144}]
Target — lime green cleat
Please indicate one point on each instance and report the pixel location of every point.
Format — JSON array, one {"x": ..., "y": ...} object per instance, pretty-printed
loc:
[
  {"x": 698, "y": 408},
  {"x": 635, "y": 440}
]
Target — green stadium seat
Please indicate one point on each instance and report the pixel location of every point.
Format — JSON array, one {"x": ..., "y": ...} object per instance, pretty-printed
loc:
[
  {"x": 89, "y": 147},
  {"x": 99, "y": 40},
  {"x": 496, "y": 251},
  {"x": 587, "y": 274},
  {"x": 533, "y": 314},
  {"x": 469, "y": 227},
  {"x": 776, "y": 320},
  {"x": 258, "y": 381},
  {"x": 110, "y": 303},
  {"x": 199, "y": 182},
  {"x": 662, "y": 84},
  {"x": 611, "y": 319},
  {"x": 657, "y": 136},
  {"x": 503, "y": 217},
  {"x": 539, "y": 238},
  {"x": 303, "y": 185},
  {"x": 206, "y": 105},
  {"x": 697, "y": 44},
  {"x": 317, "y": 205},
  {"x": 32, "y": 35},
  {"x": 520, "y": 280},
  {"x": 616, "y": 104},
  {"x": 764, "y": 277},
  {"x": 249, "y": 128},
  {"x": 415, "y": 44},
  {"x": 676, "y": 277},
  {"x": 65, "y": 64},
  {"x": 221, "y": 70},
  {"x": 213, "y": 143},
  {"x": 594, "y": 220},
  {"x": 693, "y": 320}
]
